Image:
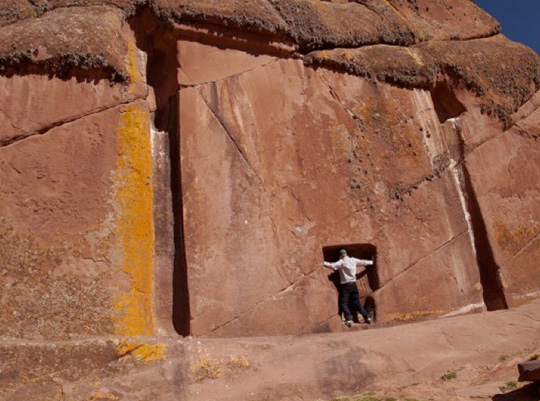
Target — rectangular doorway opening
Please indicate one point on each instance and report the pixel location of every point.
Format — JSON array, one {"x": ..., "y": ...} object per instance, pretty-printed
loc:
[{"x": 367, "y": 280}]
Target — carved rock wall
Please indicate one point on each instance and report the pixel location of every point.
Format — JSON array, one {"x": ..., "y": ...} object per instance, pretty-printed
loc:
[
  {"x": 279, "y": 174},
  {"x": 293, "y": 129}
]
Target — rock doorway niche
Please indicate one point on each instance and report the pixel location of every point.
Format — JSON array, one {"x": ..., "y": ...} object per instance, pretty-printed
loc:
[{"x": 367, "y": 281}]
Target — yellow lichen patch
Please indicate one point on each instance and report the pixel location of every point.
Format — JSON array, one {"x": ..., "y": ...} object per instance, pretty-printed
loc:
[
  {"x": 205, "y": 368},
  {"x": 135, "y": 229},
  {"x": 143, "y": 352},
  {"x": 511, "y": 240},
  {"x": 99, "y": 396},
  {"x": 340, "y": 136},
  {"x": 238, "y": 362},
  {"x": 414, "y": 56},
  {"x": 347, "y": 55},
  {"x": 415, "y": 315},
  {"x": 134, "y": 75},
  {"x": 323, "y": 55}
]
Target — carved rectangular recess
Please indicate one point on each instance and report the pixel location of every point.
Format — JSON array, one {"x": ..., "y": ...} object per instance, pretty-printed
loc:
[
  {"x": 360, "y": 251},
  {"x": 368, "y": 280}
]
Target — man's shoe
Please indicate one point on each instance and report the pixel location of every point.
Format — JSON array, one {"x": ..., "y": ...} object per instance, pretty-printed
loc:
[
  {"x": 349, "y": 322},
  {"x": 368, "y": 320}
]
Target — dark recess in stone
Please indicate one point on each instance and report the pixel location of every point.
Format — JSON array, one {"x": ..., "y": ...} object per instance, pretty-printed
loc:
[
  {"x": 159, "y": 43},
  {"x": 493, "y": 292},
  {"x": 445, "y": 102},
  {"x": 365, "y": 287}
]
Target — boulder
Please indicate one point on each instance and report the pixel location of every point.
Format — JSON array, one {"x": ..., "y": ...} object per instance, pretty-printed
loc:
[{"x": 529, "y": 371}]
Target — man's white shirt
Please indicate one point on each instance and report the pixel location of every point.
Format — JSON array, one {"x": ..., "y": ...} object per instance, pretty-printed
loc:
[{"x": 347, "y": 268}]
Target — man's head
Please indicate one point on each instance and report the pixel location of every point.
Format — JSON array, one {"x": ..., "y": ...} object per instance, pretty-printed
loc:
[{"x": 342, "y": 253}]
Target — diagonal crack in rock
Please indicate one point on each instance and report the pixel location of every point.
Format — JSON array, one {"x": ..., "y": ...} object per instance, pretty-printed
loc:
[
  {"x": 49, "y": 127},
  {"x": 233, "y": 139},
  {"x": 426, "y": 256},
  {"x": 268, "y": 299}
]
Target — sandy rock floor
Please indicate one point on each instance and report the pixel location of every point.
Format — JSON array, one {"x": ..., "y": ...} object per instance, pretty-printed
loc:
[{"x": 497, "y": 382}]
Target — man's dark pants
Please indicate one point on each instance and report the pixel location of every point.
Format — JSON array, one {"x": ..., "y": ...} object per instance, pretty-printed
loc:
[{"x": 346, "y": 291}]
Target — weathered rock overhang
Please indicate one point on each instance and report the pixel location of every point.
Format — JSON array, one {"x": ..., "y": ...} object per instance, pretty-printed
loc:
[{"x": 394, "y": 43}]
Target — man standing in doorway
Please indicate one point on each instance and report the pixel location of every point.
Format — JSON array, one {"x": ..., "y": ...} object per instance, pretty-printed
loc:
[{"x": 346, "y": 266}]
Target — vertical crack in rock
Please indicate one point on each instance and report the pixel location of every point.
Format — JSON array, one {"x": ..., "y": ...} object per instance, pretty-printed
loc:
[
  {"x": 456, "y": 172},
  {"x": 164, "y": 226},
  {"x": 447, "y": 109},
  {"x": 489, "y": 270}
]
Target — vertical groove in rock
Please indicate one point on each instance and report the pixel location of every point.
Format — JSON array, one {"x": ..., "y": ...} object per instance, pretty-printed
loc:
[
  {"x": 494, "y": 296},
  {"x": 160, "y": 47},
  {"x": 493, "y": 293}
]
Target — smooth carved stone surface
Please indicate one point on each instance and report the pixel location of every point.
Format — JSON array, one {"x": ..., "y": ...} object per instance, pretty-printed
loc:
[
  {"x": 58, "y": 174},
  {"x": 505, "y": 175},
  {"x": 219, "y": 63},
  {"x": 350, "y": 145},
  {"x": 35, "y": 104},
  {"x": 77, "y": 234},
  {"x": 56, "y": 244}
]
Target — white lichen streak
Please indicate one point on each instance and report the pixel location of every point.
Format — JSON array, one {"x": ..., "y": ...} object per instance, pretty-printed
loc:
[{"x": 466, "y": 309}]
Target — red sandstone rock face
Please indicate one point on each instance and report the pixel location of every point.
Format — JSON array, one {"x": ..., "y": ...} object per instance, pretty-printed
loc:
[
  {"x": 505, "y": 174},
  {"x": 294, "y": 155},
  {"x": 418, "y": 154},
  {"x": 184, "y": 167}
]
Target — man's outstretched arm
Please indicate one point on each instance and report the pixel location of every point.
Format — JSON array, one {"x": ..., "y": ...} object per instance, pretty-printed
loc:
[
  {"x": 363, "y": 262},
  {"x": 333, "y": 266}
]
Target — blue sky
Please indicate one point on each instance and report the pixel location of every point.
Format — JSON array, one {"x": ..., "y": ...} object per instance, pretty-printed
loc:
[{"x": 519, "y": 19}]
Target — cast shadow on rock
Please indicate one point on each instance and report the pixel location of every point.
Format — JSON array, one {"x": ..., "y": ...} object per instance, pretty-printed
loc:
[
  {"x": 334, "y": 279},
  {"x": 529, "y": 392},
  {"x": 344, "y": 372},
  {"x": 83, "y": 68}
]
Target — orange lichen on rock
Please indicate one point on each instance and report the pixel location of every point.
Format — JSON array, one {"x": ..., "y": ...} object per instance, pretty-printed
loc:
[
  {"x": 205, "y": 368},
  {"x": 512, "y": 239},
  {"x": 135, "y": 228},
  {"x": 403, "y": 317},
  {"x": 142, "y": 352},
  {"x": 134, "y": 74}
]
